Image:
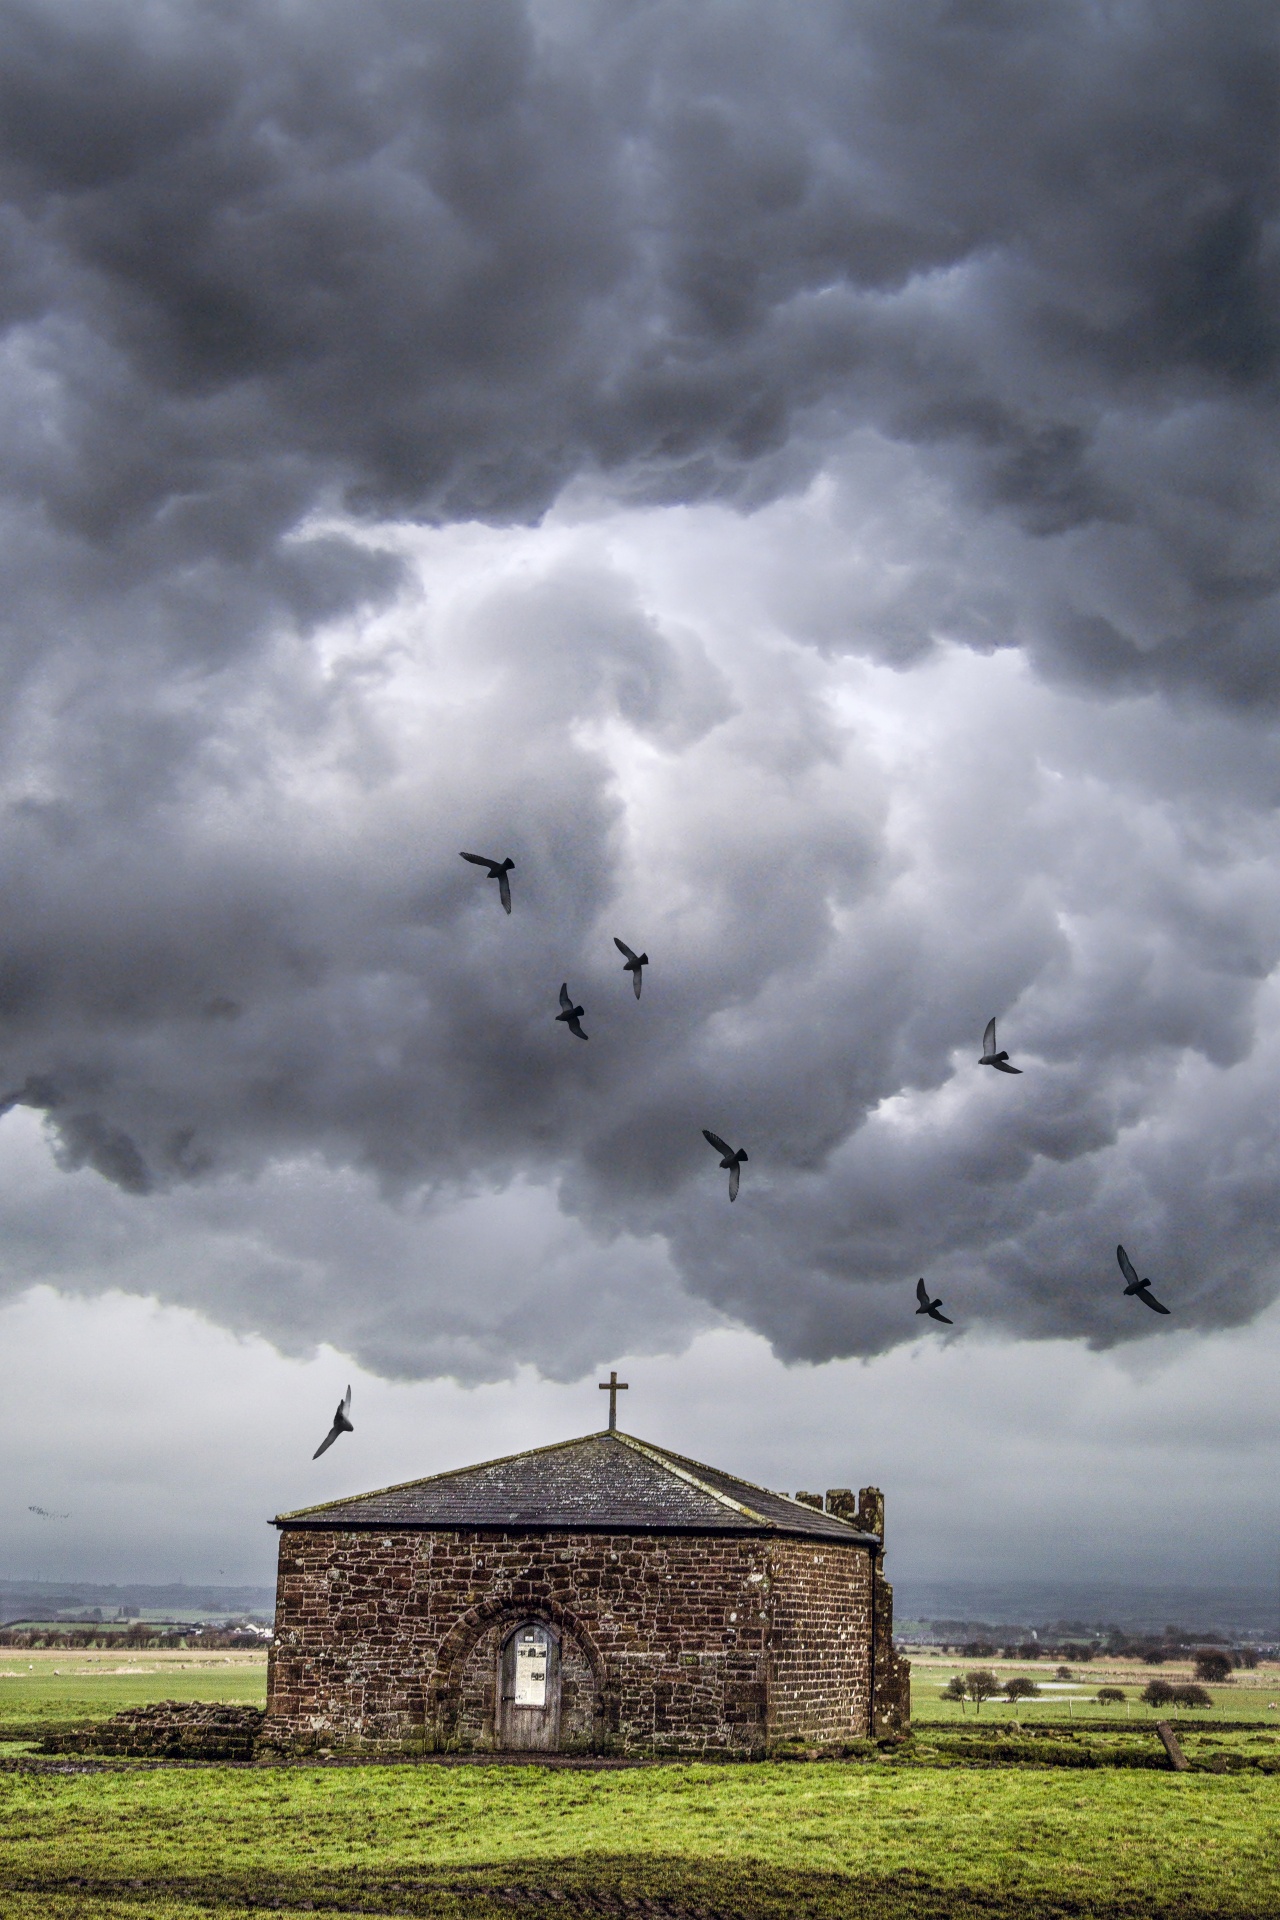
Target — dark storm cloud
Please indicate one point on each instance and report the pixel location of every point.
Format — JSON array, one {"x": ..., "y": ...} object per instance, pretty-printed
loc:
[
  {"x": 271, "y": 273},
  {"x": 438, "y": 259},
  {"x": 292, "y": 967}
]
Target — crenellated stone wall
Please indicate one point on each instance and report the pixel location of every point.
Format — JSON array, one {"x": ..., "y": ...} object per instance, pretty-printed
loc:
[{"x": 890, "y": 1670}]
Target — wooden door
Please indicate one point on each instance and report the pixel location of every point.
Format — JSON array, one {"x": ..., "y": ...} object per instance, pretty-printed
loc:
[{"x": 529, "y": 1693}]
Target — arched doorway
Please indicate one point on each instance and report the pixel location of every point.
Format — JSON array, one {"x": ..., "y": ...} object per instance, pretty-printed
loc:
[{"x": 529, "y": 1687}]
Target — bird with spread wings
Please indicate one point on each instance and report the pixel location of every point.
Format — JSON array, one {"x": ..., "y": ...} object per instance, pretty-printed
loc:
[
  {"x": 631, "y": 962},
  {"x": 1141, "y": 1289},
  {"x": 990, "y": 1057},
  {"x": 498, "y": 870},
  {"x": 732, "y": 1160},
  {"x": 341, "y": 1425},
  {"x": 571, "y": 1014},
  {"x": 931, "y": 1307}
]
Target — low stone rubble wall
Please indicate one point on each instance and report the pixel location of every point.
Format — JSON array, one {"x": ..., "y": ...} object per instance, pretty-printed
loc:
[{"x": 169, "y": 1730}]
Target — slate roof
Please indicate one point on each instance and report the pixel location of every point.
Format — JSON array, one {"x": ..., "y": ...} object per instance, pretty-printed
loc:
[{"x": 604, "y": 1482}]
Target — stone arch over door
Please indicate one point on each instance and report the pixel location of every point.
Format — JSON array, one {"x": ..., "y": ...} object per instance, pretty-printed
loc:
[{"x": 464, "y": 1694}]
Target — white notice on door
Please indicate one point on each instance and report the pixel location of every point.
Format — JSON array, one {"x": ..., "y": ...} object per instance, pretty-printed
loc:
[{"x": 532, "y": 1648}]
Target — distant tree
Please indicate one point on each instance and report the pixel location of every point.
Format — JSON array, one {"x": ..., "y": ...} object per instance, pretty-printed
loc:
[
  {"x": 977, "y": 1650},
  {"x": 1020, "y": 1688},
  {"x": 1158, "y": 1693},
  {"x": 981, "y": 1684},
  {"x": 1249, "y": 1657},
  {"x": 1063, "y": 1673},
  {"x": 1190, "y": 1695},
  {"x": 955, "y": 1690},
  {"x": 1030, "y": 1650},
  {"x": 1154, "y": 1656},
  {"x": 1111, "y": 1696},
  {"x": 1212, "y": 1665}
]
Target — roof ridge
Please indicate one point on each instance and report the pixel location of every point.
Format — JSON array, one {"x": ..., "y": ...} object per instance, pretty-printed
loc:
[
  {"x": 449, "y": 1473},
  {"x": 801, "y": 1506},
  {"x": 668, "y": 1462},
  {"x": 755, "y": 1486}
]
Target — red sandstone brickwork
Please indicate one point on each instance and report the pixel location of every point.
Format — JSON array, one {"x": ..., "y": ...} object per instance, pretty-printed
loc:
[
  {"x": 669, "y": 1642},
  {"x": 820, "y": 1675},
  {"x": 890, "y": 1672}
]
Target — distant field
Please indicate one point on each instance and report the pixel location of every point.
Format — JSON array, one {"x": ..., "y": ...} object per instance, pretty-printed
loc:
[
  {"x": 1251, "y": 1696},
  {"x": 44, "y": 1688}
]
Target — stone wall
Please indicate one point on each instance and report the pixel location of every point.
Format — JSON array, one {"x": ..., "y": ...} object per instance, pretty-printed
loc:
[
  {"x": 169, "y": 1730},
  {"x": 671, "y": 1642},
  {"x": 890, "y": 1670},
  {"x": 820, "y": 1675}
]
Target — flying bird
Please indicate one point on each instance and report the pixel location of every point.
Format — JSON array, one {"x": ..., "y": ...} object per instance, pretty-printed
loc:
[
  {"x": 631, "y": 962},
  {"x": 341, "y": 1425},
  {"x": 990, "y": 1058},
  {"x": 46, "y": 1515},
  {"x": 731, "y": 1161},
  {"x": 498, "y": 870},
  {"x": 1142, "y": 1288},
  {"x": 570, "y": 1014},
  {"x": 931, "y": 1307}
]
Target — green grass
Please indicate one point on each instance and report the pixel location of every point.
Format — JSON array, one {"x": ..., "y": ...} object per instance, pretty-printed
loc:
[
  {"x": 773, "y": 1842},
  {"x": 1054, "y": 1820},
  {"x": 1117, "y": 1743},
  {"x": 35, "y": 1700}
]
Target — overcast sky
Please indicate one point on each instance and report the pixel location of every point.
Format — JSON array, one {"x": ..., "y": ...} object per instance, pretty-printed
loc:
[{"x": 803, "y": 484}]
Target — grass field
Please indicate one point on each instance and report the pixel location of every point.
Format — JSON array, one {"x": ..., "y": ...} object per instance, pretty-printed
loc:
[
  {"x": 1253, "y": 1696},
  {"x": 773, "y": 1841},
  {"x": 43, "y": 1690},
  {"x": 936, "y": 1832}
]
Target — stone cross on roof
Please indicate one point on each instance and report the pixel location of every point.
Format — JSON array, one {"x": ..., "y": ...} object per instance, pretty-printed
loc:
[{"x": 613, "y": 1387}]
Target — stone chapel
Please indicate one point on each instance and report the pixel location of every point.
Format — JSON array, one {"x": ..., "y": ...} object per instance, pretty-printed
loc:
[{"x": 600, "y": 1595}]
